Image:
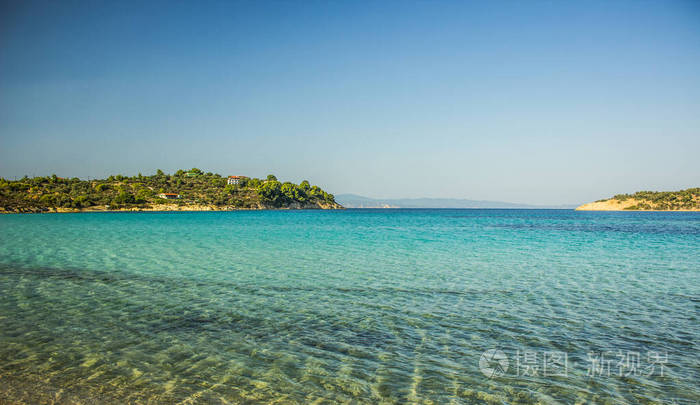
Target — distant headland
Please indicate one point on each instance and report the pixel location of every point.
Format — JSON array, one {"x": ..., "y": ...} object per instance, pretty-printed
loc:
[
  {"x": 683, "y": 200},
  {"x": 191, "y": 190},
  {"x": 358, "y": 201}
]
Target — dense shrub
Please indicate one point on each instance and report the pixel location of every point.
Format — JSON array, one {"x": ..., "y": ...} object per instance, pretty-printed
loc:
[{"x": 41, "y": 193}]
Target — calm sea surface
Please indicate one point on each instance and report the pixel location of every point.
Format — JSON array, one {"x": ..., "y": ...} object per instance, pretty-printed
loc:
[{"x": 360, "y": 306}]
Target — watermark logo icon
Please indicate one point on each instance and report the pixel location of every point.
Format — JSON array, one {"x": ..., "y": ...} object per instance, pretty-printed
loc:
[{"x": 493, "y": 363}]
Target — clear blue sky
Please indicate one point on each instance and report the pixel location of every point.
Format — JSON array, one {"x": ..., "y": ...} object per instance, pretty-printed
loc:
[{"x": 525, "y": 101}]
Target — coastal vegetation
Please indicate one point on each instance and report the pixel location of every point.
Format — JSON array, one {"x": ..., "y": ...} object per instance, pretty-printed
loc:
[
  {"x": 184, "y": 190},
  {"x": 683, "y": 200}
]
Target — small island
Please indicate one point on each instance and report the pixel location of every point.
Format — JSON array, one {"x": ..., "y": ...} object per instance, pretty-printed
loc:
[
  {"x": 191, "y": 190},
  {"x": 683, "y": 200}
]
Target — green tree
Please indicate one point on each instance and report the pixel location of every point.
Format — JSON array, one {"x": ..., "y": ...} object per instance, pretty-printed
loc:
[
  {"x": 124, "y": 197},
  {"x": 271, "y": 192},
  {"x": 142, "y": 195},
  {"x": 288, "y": 191},
  {"x": 254, "y": 183},
  {"x": 81, "y": 202},
  {"x": 48, "y": 200}
]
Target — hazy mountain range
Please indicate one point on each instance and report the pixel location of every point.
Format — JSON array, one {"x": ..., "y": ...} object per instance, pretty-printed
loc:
[{"x": 358, "y": 201}]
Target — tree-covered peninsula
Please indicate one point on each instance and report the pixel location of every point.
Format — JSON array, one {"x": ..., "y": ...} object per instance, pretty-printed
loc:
[
  {"x": 191, "y": 190},
  {"x": 683, "y": 200}
]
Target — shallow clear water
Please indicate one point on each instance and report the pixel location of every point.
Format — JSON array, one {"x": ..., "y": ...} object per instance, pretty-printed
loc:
[{"x": 367, "y": 306}]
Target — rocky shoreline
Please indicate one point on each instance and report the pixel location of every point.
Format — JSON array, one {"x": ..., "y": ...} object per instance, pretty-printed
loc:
[{"x": 169, "y": 208}]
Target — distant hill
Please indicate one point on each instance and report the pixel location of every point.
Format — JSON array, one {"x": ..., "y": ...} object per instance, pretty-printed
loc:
[
  {"x": 683, "y": 200},
  {"x": 191, "y": 190},
  {"x": 358, "y": 201}
]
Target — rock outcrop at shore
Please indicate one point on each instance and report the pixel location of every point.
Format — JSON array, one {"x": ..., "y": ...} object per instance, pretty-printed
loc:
[{"x": 170, "y": 207}]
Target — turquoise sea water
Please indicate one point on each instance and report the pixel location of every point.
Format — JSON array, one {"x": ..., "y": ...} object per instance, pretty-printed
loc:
[{"x": 356, "y": 306}]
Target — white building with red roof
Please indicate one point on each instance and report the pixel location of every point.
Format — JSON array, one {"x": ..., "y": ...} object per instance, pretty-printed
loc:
[{"x": 235, "y": 179}]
